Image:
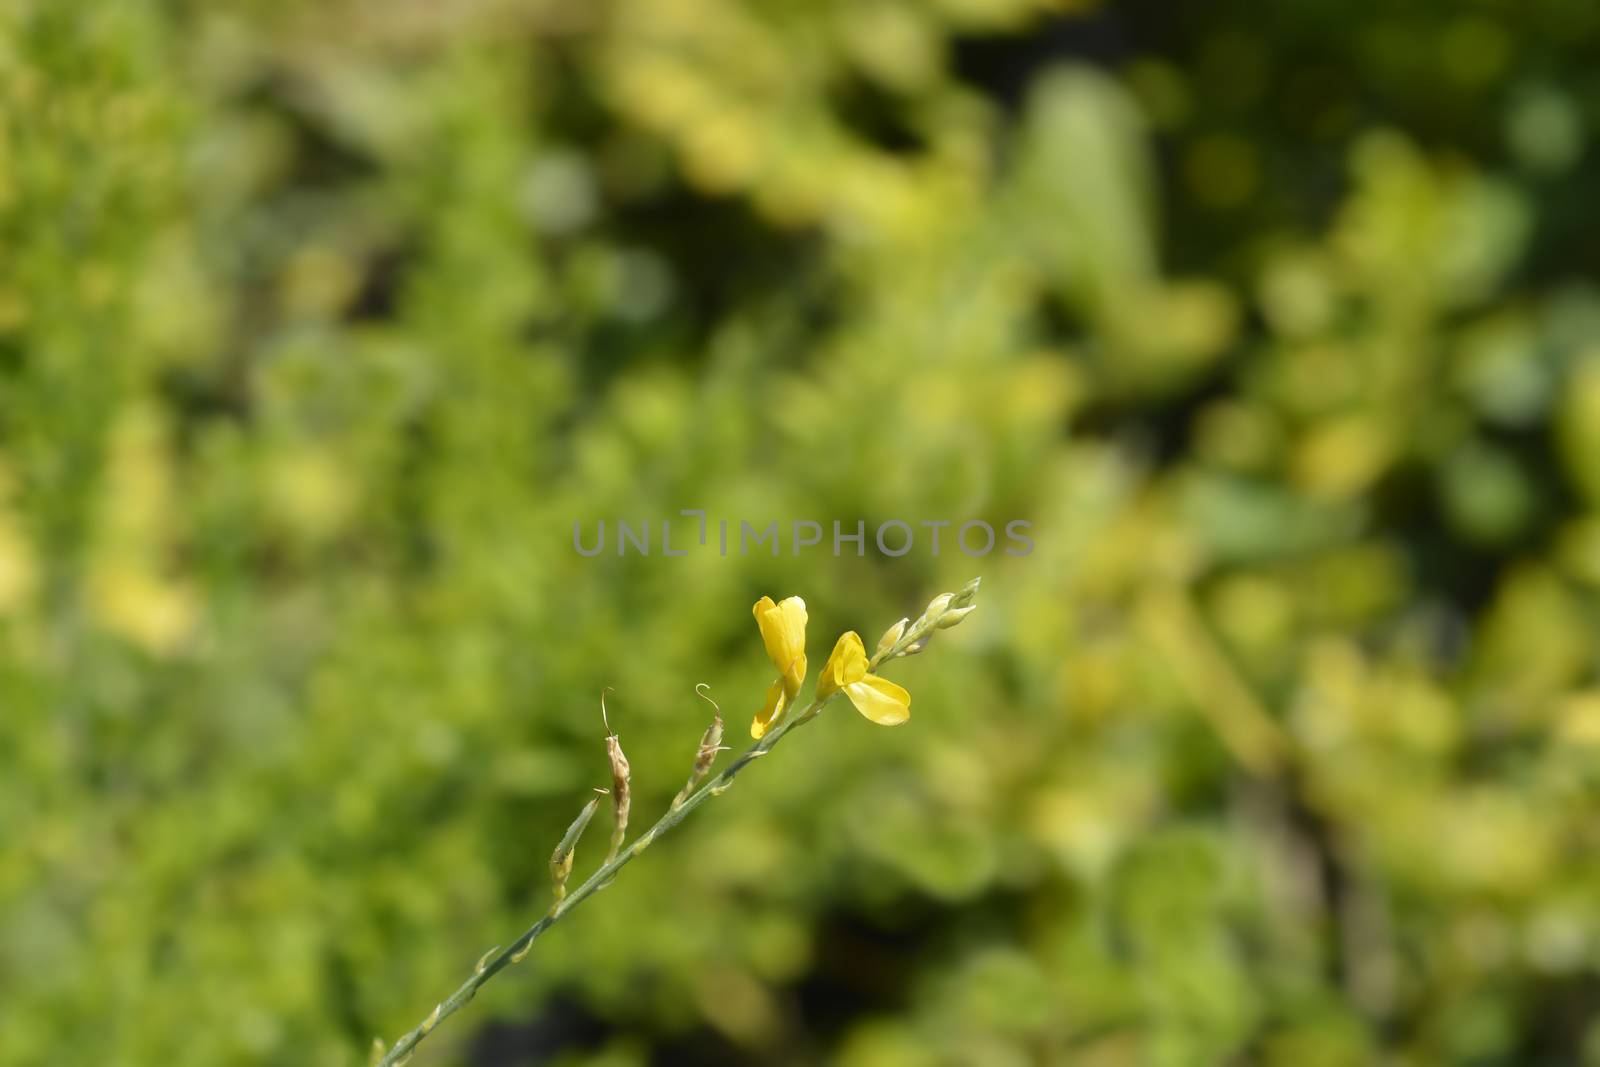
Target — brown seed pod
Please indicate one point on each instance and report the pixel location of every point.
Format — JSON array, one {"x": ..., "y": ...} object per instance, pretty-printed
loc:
[
  {"x": 706, "y": 754},
  {"x": 621, "y": 791}
]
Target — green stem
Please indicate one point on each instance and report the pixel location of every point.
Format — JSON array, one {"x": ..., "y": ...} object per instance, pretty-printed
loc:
[
  {"x": 513, "y": 953},
  {"x": 596, "y": 881}
]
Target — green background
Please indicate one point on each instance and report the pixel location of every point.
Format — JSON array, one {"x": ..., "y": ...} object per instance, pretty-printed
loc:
[{"x": 321, "y": 323}]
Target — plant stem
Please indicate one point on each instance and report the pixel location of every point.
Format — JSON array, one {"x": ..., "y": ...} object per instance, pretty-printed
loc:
[
  {"x": 596, "y": 881},
  {"x": 513, "y": 953}
]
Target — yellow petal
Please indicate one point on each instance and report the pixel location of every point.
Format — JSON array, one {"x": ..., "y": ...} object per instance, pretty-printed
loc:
[
  {"x": 794, "y": 677},
  {"x": 783, "y": 630},
  {"x": 847, "y": 664},
  {"x": 880, "y": 700},
  {"x": 769, "y": 715}
]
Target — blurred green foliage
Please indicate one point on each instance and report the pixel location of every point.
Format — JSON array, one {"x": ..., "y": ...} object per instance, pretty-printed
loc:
[{"x": 320, "y": 324}]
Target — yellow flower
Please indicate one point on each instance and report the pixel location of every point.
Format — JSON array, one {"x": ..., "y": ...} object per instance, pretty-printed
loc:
[
  {"x": 783, "y": 629},
  {"x": 877, "y": 698}
]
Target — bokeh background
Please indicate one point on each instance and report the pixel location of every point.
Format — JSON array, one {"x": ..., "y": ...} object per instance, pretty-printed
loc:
[{"x": 321, "y": 323}]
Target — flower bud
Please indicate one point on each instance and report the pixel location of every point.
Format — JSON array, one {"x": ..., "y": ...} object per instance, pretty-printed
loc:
[
  {"x": 968, "y": 594},
  {"x": 916, "y": 646},
  {"x": 890, "y": 637},
  {"x": 953, "y": 617}
]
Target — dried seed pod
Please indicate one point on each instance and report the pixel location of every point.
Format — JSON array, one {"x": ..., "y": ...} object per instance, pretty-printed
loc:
[
  {"x": 621, "y": 778},
  {"x": 710, "y": 745}
]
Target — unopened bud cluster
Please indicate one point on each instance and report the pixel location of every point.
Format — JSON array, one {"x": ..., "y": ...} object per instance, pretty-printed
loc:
[{"x": 947, "y": 610}]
